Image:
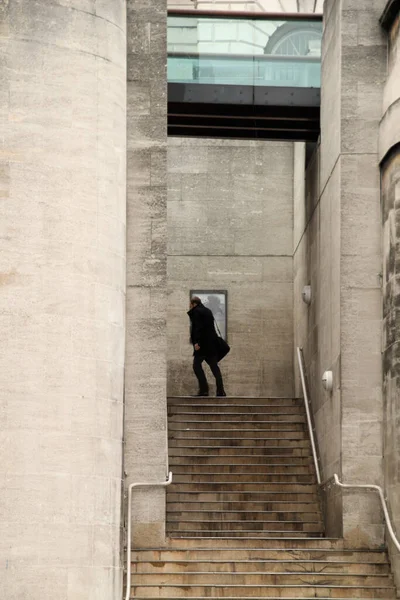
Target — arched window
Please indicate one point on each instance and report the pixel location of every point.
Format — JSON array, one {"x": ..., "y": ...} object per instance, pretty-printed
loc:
[{"x": 295, "y": 39}]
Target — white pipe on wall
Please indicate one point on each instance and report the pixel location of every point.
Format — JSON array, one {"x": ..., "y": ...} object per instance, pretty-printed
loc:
[
  {"x": 378, "y": 489},
  {"x": 129, "y": 533},
  {"x": 306, "y": 403}
]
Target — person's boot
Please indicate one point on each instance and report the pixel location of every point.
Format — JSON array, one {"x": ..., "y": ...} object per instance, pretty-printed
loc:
[
  {"x": 201, "y": 394},
  {"x": 221, "y": 394}
]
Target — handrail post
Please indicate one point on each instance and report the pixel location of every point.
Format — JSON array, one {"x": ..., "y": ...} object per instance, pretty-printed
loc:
[
  {"x": 310, "y": 428},
  {"x": 129, "y": 532},
  {"x": 376, "y": 488}
]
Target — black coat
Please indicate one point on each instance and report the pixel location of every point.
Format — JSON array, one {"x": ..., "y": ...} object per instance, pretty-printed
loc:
[{"x": 202, "y": 330}]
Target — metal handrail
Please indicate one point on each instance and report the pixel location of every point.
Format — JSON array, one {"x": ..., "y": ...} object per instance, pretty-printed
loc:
[
  {"x": 378, "y": 489},
  {"x": 246, "y": 57},
  {"x": 166, "y": 446},
  {"x": 306, "y": 402},
  {"x": 129, "y": 533}
]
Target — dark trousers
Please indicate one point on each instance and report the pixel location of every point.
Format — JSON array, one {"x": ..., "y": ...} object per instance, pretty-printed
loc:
[{"x": 198, "y": 371}]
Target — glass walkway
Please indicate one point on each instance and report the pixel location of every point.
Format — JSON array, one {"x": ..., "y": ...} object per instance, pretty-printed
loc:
[{"x": 244, "y": 75}]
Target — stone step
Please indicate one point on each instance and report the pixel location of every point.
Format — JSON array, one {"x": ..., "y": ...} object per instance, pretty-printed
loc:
[
  {"x": 244, "y": 515},
  {"x": 294, "y": 544},
  {"x": 271, "y": 452},
  {"x": 247, "y": 410},
  {"x": 237, "y": 486},
  {"x": 262, "y": 578},
  {"x": 247, "y": 507},
  {"x": 239, "y": 533},
  {"x": 255, "y": 478},
  {"x": 238, "y": 442},
  {"x": 320, "y": 597},
  {"x": 295, "y": 416},
  {"x": 230, "y": 495},
  {"x": 265, "y": 551},
  {"x": 244, "y": 525},
  {"x": 262, "y": 460},
  {"x": 174, "y": 591},
  {"x": 241, "y": 469},
  {"x": 233, "y": 401},
  {"x": 243, "y": 425},
  {"x": 257, "y": 566},
  {"x": 242, "y": 434}
]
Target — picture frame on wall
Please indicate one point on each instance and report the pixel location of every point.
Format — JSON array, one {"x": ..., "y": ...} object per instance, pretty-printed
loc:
[{"x": 217, "y": 302}]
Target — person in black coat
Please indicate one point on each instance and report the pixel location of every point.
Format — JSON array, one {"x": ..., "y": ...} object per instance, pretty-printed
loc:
[{"x": 204, "y": 338}]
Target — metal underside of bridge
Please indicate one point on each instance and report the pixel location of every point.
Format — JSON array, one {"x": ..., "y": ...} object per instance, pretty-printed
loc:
[{"x": 234, "y": 111}]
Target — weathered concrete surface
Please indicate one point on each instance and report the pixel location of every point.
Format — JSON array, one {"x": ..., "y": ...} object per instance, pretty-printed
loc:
[
  {"x": 316, "y": 263},
  {"x": 389, "y": 132},
  {"x": 362, "y": 78},
  {"x": 230, "y": 227},
  {"x": 145, "y": 378},
  {"x": 389, "y": 140},
  {"x": 316, "y": 326},
  {"x": 391, "y": 335},
  {"x": 62, "y": 189},
  {"x": 341, "y": 248}
]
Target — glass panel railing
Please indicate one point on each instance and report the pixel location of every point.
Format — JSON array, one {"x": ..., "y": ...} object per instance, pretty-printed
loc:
[
  {"x": 236, "y": 70},
  {"x": 255, "y": 52}
]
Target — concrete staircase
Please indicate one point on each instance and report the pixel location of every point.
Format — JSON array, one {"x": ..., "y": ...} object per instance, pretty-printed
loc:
[
  {"x": 243, "y": 513},
  {"x": 242, "y": 468}
]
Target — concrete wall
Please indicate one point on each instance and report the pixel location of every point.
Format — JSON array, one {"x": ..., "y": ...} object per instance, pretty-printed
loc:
[
  {"x": 145, "y": 376},
  {"x": 62, "y": 189},
  {"x": 317, "y": 327},
  {"x": 389, "y": 150},
  {"x": 389, "y": 132},
  {"x": 391, "y": 341},
  {"x": 317, "y": 263},
  {"x": 230, "y": 226},
  {"x": 362, "y": 77},
  {"x": 342, "y": 251}
]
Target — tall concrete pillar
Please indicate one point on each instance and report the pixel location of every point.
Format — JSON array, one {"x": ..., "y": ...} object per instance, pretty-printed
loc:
[
  {"x": 145, "y": 381},
  {"x": 389, "y": 153},
  {"x": 353, "y": 73},
  {"x": 62, "y": 203}
]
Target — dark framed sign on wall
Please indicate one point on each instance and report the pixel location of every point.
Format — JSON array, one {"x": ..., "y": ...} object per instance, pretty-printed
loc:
[{"x": 217, "y": 302}]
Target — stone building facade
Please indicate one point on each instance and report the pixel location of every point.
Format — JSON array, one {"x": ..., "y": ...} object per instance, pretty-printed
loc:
[{"x": 100, "y": 243}]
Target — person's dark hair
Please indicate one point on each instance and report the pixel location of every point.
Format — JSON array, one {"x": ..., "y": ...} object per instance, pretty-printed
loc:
[{"x": 195, "y": 300}]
